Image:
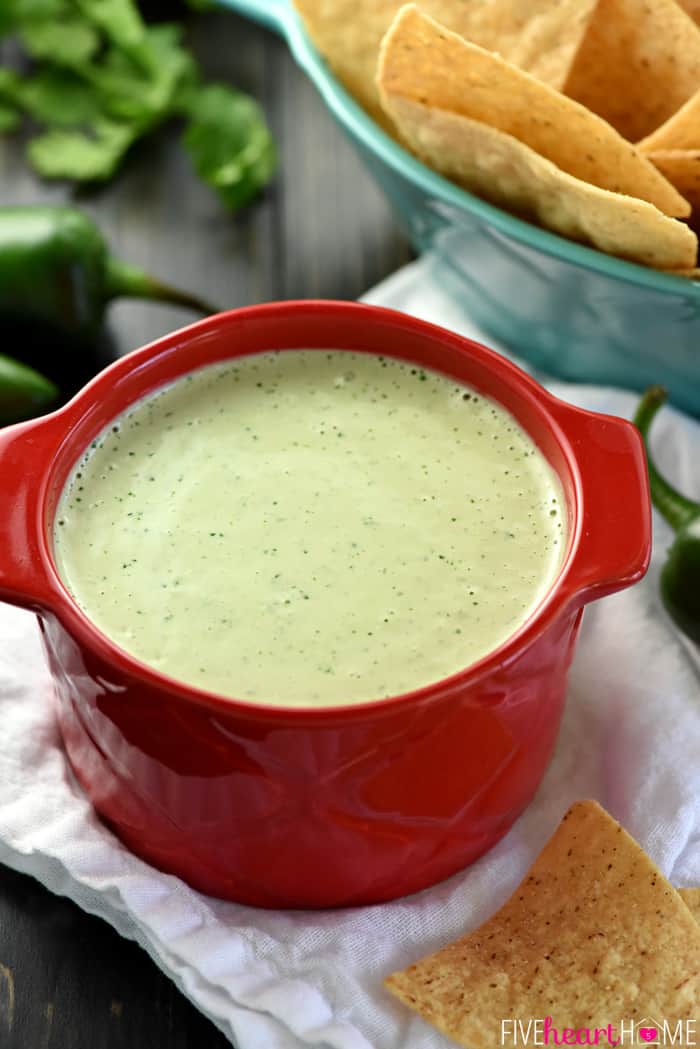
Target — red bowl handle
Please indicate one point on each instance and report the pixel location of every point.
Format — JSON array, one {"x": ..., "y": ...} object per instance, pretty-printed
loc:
[
  {"x": 613, "y": 540},
  {"x": 25, "y": 450}
]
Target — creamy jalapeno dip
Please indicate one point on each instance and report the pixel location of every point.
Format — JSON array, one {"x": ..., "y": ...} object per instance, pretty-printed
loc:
[{"x": 310, "y": 528}]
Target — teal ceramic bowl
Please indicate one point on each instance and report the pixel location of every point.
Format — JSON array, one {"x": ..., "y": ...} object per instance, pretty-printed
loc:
[{"x": 569, "y": 310}]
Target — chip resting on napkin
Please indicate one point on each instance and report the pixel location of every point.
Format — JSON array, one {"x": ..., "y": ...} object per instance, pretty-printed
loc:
[{"x": 594, "y": 933}]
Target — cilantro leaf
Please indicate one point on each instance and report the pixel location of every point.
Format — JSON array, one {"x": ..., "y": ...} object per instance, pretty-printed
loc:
[
  {"x": 128, "y": 93},
  {"x": 107, "y": 106},
  {"x": 100, "y": 78},
  {"x": 58, "y": 97},
  {"x": 68, "y": 42},
  {"x": 16, "y": 13},
  {"x": 118, "y": 19},
  {"x": 25, "y": 10},
  {"x": 229, "y": 143},
  {"x": 86, "y": 156},
  {"x": 9, "y": 82},
  {"x": 9, "y": 117}
]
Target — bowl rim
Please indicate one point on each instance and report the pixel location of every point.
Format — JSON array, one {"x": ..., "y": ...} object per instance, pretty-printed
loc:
[
  {"x": 362, "y": 127},
  {"x": 51, "y": 434}
]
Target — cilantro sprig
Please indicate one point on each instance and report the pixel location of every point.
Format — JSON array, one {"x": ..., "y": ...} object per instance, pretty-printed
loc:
[{"x": 96, "y": 78}]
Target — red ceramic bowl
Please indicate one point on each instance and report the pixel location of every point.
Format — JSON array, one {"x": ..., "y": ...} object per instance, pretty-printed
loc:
[{"x": 283, "y": 807}]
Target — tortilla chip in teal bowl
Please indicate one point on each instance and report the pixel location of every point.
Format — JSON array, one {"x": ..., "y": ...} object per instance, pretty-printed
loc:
[{"x": 568, "y": 309}]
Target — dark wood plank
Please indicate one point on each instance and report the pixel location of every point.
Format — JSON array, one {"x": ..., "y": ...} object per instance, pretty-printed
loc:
[{"x": 67, "y": 981}]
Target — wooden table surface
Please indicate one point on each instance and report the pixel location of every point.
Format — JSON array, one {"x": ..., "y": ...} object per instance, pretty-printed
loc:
[{"x": 67, "y": 980}]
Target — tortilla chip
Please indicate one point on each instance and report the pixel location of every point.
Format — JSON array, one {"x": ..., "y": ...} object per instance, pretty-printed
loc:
[
  {"x": 691, "y": 7},
  {"x": 422, "y": 61},
  {"x": 593, "y": 934},
  {"x": 508, "y": 173},
  {"x": 348, "y": 33},
  {"x": 691, "y": 898},
  {"x": 542, "y": 36},
  {"x": 638, "y": 64},
  {"x": 682, "y": 168},
  {"x": 681, "y": 131}
]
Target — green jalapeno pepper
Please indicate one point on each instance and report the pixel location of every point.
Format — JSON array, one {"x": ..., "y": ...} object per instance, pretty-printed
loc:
[
  {"x": 56, "y": 280},
  {"x": 680, "y": 575},
  {"x": 23, "y": 391},
  {"x": 55, "y": 267}
]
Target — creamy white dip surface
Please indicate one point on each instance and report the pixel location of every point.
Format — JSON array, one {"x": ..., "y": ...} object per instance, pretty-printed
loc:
[{"x": 311, "y": 528}]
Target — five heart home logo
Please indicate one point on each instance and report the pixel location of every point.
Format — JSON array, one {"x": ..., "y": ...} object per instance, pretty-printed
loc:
[{"x": 648, "y": 1032}]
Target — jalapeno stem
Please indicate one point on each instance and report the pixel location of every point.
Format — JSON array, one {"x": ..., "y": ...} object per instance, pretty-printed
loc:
[
  {"x": 677, "y": 510},
  {"x": 121, "y": 279}
]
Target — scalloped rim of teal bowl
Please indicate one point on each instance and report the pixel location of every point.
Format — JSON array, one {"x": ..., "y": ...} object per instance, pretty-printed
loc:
[{"x": 280, "y": 14}]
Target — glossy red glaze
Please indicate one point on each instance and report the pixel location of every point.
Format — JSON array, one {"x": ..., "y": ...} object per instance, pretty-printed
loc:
[{"x": 348, "y": 805}]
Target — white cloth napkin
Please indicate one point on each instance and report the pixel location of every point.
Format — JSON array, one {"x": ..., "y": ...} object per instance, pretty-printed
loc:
[{"x": 283, "y": 980}]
